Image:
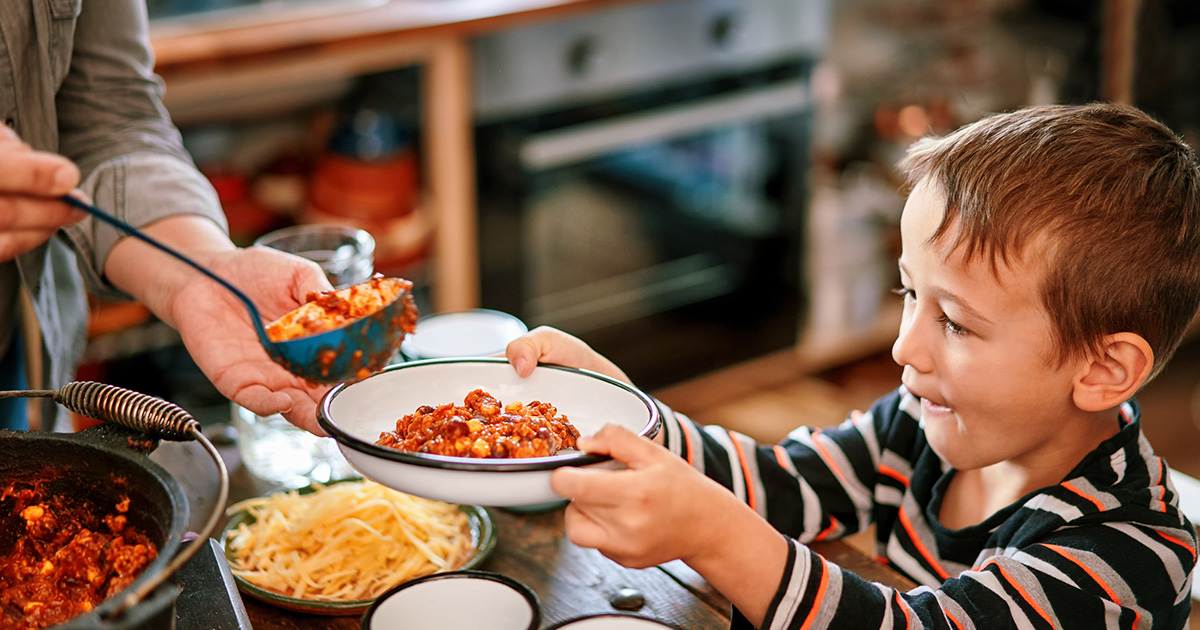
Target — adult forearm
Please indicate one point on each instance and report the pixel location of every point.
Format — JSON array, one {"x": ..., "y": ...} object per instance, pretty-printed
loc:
[{"x": 153, "y": 277}]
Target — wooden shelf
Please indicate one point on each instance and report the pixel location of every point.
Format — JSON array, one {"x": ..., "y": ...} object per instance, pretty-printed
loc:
[{"x": 230, "y": 69}]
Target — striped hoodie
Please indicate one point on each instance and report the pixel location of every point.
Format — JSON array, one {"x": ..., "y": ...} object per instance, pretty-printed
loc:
[{"x": 1107, "y": 548}]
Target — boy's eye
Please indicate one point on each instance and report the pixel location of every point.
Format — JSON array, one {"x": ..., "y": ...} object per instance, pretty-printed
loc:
[{"x": 952, "y": 327}]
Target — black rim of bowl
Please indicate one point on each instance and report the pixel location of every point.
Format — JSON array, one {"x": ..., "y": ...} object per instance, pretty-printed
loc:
[
  {"x": 566, "y": 622},
  {"x": 535, "y": 606},
  {"x": 473, "y": 464}
]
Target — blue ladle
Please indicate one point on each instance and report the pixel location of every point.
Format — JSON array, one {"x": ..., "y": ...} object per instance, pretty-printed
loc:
[{"x": 351, "y": 352}]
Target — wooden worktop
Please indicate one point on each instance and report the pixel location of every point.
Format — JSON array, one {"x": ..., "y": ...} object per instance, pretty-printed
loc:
[{"x": 181, "y": 46}]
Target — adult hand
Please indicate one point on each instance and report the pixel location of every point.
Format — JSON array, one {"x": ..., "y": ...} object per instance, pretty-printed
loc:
[
  {"x": 30, "y": 183},
  {"x": 550, "y": 345},
  {"x": 213, "y": 323},
  {"x": 216, "y": 330}
]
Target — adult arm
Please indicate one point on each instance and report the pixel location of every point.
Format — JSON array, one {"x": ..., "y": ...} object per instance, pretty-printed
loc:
[{"x": 113, "y": 125}]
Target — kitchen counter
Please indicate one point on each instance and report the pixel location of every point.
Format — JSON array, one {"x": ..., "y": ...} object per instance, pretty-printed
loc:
[{"x": 230, "y": 68}]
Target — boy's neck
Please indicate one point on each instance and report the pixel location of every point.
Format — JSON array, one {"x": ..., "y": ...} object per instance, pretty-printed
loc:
[{"x": 974, "y": 495}]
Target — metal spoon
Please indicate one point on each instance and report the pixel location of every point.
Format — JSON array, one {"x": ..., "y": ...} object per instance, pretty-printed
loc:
[{"x": 351, "y": 352}]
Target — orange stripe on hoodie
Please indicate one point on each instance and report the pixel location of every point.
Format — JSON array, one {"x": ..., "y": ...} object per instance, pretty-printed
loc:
[
  {"x": 893, "y": 473},
  {"x": 1181, "y": 543},
  {"x": 833, "y": 524},
  {"x": 751, "y": 495},
  {"x": 827, "y": 457},
  {"x": 1062, "y": 551},
  {"x": 687, "y": 440},
  {"x": 1162, "y": 483},
  {"x": 1069, "y": 486},
  {"x": 912, "y": 535},
  {"x": 903, "y": 608},
  {"x": 781, "y": 456},
  {"x": 816, "y": 605},
  {"x": 1024, "y": 594}
]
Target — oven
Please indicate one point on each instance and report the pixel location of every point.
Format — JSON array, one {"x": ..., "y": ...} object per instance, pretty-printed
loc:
[{"x": 643, "y": 178}]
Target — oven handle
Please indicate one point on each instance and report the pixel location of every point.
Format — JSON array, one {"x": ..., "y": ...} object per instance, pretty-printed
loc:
[{"x": 560, "y": 147}]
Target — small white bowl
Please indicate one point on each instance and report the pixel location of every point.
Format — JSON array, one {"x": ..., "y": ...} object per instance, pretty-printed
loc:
[
  {"x": 612, "y": 621},
  {"x": 478, "y": 332},
  {"x": 460, "y": 600},
  {"x": 355, "y": 414}
]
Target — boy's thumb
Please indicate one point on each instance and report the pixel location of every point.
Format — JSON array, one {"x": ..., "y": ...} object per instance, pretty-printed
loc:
[{"x": 618, "y": 443}]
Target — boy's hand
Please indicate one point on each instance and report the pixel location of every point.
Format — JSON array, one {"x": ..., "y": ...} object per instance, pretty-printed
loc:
[
  {"x": 660, "y": 509},
  {"x": 30, "y": 183},
  {"x": 656, "y": 510},
  {"x": 550, "y": 345}
]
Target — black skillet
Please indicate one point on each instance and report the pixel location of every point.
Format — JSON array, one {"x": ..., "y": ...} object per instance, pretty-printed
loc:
[{"x": 104, "y": 464}]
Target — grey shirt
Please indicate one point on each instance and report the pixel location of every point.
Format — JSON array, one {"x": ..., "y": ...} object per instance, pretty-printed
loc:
[{"x": 76, "y": 77}]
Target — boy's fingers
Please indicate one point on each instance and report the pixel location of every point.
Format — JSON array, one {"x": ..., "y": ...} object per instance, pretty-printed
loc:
[
  {"x": 550, "y": 345},
  {"x": 582, "y": 529},
  {"x": 576, "y": 483},
  {"x": 604, "y": 486},
  {"x": 541, "y": 344},
  {"x": 619, "y": 443}
]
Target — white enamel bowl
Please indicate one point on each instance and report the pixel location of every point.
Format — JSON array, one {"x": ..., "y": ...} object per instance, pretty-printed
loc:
[
  {"x": 479, "y": 332},
  {"x": 461, "y": 600},
  {"x": 355, "y": 414}
]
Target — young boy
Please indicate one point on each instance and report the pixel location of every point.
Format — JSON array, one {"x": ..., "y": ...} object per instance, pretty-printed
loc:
[{"x": 1050, "y": 266}]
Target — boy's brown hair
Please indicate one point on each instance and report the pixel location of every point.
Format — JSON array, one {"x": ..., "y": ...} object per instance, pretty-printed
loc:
[{"x": 1112, "y": 195}]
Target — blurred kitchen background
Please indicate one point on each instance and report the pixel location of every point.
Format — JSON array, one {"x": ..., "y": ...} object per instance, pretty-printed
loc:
[{"x": 702, "y": 189}]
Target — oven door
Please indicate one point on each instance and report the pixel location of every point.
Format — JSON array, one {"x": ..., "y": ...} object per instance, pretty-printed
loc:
[{"x": 667, "y": 234}]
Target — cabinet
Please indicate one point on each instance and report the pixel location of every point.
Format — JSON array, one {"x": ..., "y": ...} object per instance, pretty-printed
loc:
[{"x": 225, "y": 69}]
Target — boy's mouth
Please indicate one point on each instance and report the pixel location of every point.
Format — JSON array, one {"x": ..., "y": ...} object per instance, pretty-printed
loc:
[{"x": 928, "y": 406}]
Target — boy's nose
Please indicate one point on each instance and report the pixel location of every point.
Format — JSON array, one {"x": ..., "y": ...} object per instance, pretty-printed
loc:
[{"x": 908, "y": 350}]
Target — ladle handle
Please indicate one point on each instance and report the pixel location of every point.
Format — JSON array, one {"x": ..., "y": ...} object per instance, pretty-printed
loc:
[{"x": 255, "y": 318}]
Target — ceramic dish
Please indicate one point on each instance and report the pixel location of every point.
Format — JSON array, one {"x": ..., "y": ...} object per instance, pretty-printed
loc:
[
  {"x": 355, "y": 414},
  {"x": 479, "y": 332},
  {"x": 483, "y": 542},
  {"x": 612, "y": 621},
  {"x": 459, "y": 600}
]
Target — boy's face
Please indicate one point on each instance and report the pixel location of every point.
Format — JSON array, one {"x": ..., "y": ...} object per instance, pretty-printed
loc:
[{"x": 976, "y": 347}]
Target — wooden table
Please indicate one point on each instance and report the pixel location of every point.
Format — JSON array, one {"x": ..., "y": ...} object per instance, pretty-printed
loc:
[
  {"x": 531, "y": 548},
  {"x": 571, "y": 581}
]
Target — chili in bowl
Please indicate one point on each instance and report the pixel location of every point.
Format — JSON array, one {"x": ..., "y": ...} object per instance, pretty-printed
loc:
[{"x": 471, "y": 431}]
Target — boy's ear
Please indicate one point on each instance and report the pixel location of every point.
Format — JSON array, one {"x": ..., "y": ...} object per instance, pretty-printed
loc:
[{"x": 1115, "y": 375}]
